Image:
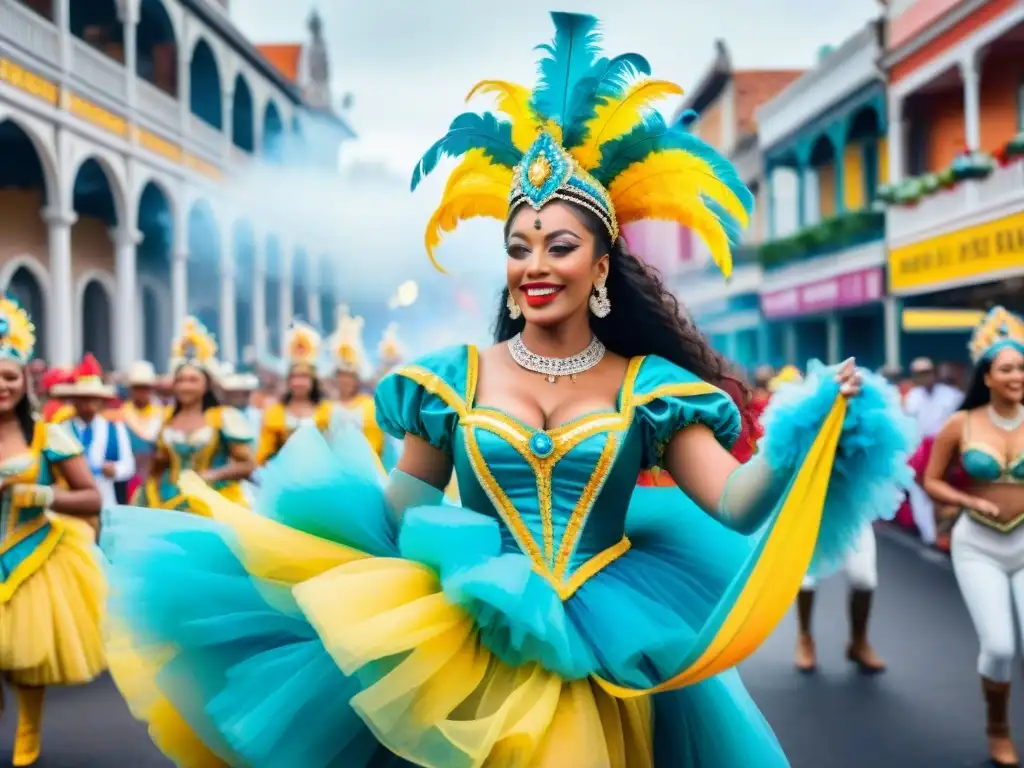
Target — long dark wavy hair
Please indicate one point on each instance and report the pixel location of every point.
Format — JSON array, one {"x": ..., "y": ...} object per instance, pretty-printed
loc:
[
  {"x": 645, "y": 318},
  {"x": 209, "y": 400},
  {"x": 26, "y": 413},
  {"x": 978, "y": 393},
  {"x": 316, "y": 392}
]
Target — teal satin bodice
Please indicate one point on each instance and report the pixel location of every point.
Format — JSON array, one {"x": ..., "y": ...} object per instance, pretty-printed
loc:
[
  {"x": 561, "y": 494},
  {"x": 985, "y": 465}
]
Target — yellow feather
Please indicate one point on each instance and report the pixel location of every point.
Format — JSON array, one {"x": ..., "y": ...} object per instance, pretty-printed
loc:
[
  {"x": 695, "y": 217},
  {"x": 477, "y": 187},
  {"x": 514, "y": 101},
  {"x": 617, "y": 117},
  {"x": 682, "y": 174}
]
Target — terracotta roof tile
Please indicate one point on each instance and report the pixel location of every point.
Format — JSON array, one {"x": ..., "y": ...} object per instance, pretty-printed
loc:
[
  {"x": 753, "y": 88},
  {"x": 916, "y": 19},
  {"x": 284, "y": 57}
]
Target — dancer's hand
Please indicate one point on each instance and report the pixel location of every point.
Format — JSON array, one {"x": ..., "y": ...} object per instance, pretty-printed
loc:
[
  {"x": 848, "y": 378},
  {"x": 26, "y": 495},
  {"x": 986, "y": 508}
]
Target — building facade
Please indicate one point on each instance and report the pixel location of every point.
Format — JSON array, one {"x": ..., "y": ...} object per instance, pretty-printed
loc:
[
  {"x": 822, "y": 292},
  {"x": 725, "y": 102},
  {"x": 126, "y": 127},
  {"x": 956, "y": 101}
]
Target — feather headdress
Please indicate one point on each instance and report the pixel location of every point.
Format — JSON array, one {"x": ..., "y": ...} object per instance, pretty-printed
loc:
[
  {"x": 195, "y": 345},
  {"x": 389, "y": 351},
  {"x": 17, "y": 333},
  {"x": 588, "y": 134},
  {"x": 999, "y": 329},
  {"x": 302, "y": 346},
  {"x": 347, "y": 343}
]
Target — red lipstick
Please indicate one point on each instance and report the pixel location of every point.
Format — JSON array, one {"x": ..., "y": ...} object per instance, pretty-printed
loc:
[{"x": 540, "y": 294}]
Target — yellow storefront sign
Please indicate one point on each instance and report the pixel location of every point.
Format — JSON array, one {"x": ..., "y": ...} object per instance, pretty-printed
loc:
[{"x": 964, "y": 255}]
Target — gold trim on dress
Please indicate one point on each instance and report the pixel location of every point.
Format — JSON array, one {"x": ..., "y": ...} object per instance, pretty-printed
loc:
[{"x": 1000, "y": 527}]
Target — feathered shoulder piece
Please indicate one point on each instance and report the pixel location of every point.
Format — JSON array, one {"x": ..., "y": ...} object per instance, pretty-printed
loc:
[
  {"x": 588, "y": 133},
  {"x": 17, "y": 333},
  {"x": 999, "y": 329},
  {"x": 302, "y": 345},
  {"x": 194, "y": 345},
  {"x": 347, "y": 343}
]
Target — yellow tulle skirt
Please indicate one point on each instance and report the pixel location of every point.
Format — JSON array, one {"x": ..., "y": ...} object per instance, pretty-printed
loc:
[{"x": 50, "y": 630}]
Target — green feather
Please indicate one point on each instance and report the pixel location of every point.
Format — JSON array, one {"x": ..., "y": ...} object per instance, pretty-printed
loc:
[{"x": 471, "y": 131}]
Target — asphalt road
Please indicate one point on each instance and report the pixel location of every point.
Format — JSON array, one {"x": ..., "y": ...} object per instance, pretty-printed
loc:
[{"x": 925, "y": 712}]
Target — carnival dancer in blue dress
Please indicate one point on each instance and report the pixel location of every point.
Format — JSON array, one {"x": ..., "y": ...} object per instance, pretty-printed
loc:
[
  {"x": 51, "y": 582},
  {"x": 562, "y": 616}
]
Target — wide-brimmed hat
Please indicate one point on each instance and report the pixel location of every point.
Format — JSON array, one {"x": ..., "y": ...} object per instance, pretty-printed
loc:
[
  {"x": 240, "y": 382},
  {"x": 142, "y": 374},
  {"x": 87, "y": 382}
]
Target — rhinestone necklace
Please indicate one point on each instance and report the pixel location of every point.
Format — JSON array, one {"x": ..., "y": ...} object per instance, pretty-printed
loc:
[
  {"x": 556, "y": 367},
  {"x": 1006, "y": 424}
]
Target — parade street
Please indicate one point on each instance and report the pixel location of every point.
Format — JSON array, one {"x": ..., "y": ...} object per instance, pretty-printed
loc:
[{"x": 925, "y": 712}]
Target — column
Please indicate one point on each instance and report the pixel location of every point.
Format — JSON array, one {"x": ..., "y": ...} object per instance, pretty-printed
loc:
[
  {"x": 895, "y": 140},
  {"x": 764, "y": 343},
  {"x": 769, "y": 191},
  {"x": 184, "y": 78},
  {"x": 126, "y": 318},
  {"x": 228, "y": 115},
  {"x": 179, "y": 288},
  {"x": 259, "y": 298},
  {"x": 228, "y": 326},
  {"x": 891, "y": 309},
  {"x": 790, "y": 345},
  {"x": 62, "y": 19},
  {"x": 801, "y": 194},
  {"x": 971, "y": 74},
  {"x": 833, "y": 335},
  {"x": 285, "y": 287},
  {"x": 128, "y": 14},
  {"x": 837, "y": 135},
  {"x": 60, "y": 338}
]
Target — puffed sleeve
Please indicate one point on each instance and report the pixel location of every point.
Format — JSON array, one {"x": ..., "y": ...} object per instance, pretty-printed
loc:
[
  {"x": 668, "y": 398},
  {"x": 426, "y": 398},
  {"x": 60, "y": 444},
  {"x": 234, "y": 427}
]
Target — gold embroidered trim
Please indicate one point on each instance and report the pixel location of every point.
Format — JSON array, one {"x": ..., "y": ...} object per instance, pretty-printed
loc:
[
  {"x": 472, "y": 373},
  {"x": 435, "y": 385},
  {"x": 580, "y": 513},
  {"x": 995, "y": 525},
  {"x": 592, "y": 567},
  {"x": 23, "y": 531}
]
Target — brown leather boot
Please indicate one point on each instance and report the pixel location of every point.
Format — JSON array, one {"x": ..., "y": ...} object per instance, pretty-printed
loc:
[
  {"x": 806, "y": 656},
  {"x": 859, "y": 651},
  {"x": 997, "y": 714}
]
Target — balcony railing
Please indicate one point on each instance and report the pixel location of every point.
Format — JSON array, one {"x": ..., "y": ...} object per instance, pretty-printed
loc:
[
  {"x": 157, "y": 106},
  {"x": 943, "y": 210},
  {"x": 98, "y": 72},
  {"x": 30, "y": 32},
  {"x": 824, "y": 238}
]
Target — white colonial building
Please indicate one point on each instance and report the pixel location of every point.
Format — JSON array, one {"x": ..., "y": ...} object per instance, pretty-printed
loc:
[{"x": 124, "y": 125}]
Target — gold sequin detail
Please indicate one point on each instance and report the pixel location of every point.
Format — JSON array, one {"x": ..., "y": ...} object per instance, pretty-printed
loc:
[{"x": 592, "y": 567}]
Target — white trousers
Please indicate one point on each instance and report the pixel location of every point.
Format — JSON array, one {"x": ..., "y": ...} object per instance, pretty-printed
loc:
[
  {"x": 860, "y": 566},
  {"x": 923, "y": 509},
  {"x": 989, "y": 568}
]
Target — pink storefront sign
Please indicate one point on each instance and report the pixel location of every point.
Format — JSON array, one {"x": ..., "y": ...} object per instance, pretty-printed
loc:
[{"x": 842, "y": 292}]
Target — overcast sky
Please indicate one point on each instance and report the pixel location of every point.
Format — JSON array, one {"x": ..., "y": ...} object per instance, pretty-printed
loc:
[{"x": 409, "y": 65}]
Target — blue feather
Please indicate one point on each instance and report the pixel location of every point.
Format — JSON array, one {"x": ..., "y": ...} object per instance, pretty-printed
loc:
[
  {"x": 471, "y": 131},
  {"x": 570, "y": 58},
  {"x": 732, "y": 228},
  {"x": 654, "y": 135},
  {"x": 609, "y": 80}
]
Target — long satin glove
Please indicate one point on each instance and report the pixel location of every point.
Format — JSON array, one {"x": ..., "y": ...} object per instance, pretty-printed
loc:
[{"x": 751, "y": 493}]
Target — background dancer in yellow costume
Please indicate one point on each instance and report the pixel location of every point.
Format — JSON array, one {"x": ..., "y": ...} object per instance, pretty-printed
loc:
[
  {"x": 389, "y": 356},
  {"x": 354, "y": 407},
  {"x": 51, "y": 584},
  {"x": 200, "y": 434},
  {"x": 562, "y": 616},
  {"x": 303, "y": 402}
]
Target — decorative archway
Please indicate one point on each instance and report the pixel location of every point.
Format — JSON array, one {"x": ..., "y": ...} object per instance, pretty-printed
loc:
[
  {"x": 204, "y": 265},
  {"x": 96, "y": 318},
  {"x": 205, "y": 85},
  {"x": 243, "y": 129},
  {"x": 97, "y": 23},
  {"x": 273, "y": 133},
  {"x": 153, "y": 259},
  {"x": 24, "y": 285},
  {"x": 156, "y": 47}
]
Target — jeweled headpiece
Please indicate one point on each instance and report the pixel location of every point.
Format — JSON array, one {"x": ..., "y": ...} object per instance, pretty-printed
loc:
[
  {"x": 302, "y": 346},
  {"x": 999, "y": 329},
  {"x": 17, "y": 333},
  {"x": 347, "y": 343},
  {"x": 196, "y": 346},
  {"x": 588, "y": 134}
]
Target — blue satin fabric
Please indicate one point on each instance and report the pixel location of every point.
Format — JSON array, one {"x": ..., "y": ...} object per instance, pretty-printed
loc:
[{"x": 986, "y": 468}]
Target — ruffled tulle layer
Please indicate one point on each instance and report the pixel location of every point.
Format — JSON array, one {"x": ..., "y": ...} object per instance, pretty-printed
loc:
[
  {"x": 440, "y": 647},
  {"x": 50, "y": 628}
]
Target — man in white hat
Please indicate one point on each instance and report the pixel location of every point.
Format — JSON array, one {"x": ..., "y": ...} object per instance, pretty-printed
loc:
[
  {"x": 931, "y": 403},
  {"x": 144, "y": 416},
  {"x": 107, "y": 444},
  {"x": 238, "y": 389}
]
